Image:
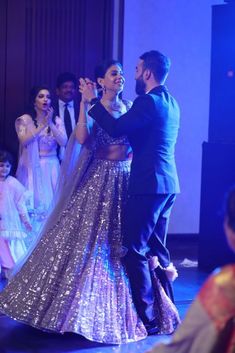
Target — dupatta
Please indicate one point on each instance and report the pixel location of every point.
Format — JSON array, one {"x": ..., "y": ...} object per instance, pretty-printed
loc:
[{"x": 73, "y": 169}]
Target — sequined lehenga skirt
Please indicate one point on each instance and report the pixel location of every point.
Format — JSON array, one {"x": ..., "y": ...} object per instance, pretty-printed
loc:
[{"x": 74, "y": 280}]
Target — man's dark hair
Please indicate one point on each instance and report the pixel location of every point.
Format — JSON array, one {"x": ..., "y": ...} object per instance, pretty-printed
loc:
[
  {"x": 65, "y": 77},
  {"x": 157, "y": 63}
]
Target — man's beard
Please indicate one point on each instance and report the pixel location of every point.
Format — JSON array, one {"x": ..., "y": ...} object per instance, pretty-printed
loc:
[{"x": 140, "y": 86}]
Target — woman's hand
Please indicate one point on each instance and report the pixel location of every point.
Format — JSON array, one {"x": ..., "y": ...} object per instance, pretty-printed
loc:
[
  {"x": 49, "y": 115},
  {"x": 88, "y": 89}
]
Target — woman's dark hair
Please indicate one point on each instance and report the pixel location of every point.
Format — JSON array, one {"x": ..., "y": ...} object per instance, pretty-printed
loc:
[
  {"x": 32, "y": 96},
  {"x": 230, "y": 208},
  {"x": 6, "y": 156},
  {"x": 101, "y": 69}
]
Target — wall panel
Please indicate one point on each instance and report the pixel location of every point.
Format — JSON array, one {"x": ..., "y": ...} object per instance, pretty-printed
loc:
[{"x": 43, "y": 38}]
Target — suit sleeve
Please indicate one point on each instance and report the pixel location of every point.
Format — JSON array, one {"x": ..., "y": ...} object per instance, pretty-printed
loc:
[{"x": 139, "y": 115}]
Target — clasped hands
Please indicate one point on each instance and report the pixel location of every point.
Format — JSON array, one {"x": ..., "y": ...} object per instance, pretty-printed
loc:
[
  {"x": 49, "y": 115},
  {"x": 88, "y": 89},
  {"x": 46, "y": 120}
]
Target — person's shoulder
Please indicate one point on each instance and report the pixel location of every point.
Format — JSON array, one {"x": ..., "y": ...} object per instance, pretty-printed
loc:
[
  {"x": 221, "y": 282},
  {"x": 14, "y": 182},
  {"x": 225, "y": 276},
  {"x": 218, "y": 293},
  {"x": 25, "y": 118},
  {"x": 146, "y": 102},
  {"x": 144, "y": 98}
]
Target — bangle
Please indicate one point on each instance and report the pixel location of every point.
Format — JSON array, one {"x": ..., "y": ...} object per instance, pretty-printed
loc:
[{"x": 82, "y": 124}]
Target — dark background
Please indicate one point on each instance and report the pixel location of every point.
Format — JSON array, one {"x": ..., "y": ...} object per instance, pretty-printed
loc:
[
  {"x": 218, "y": 154},
  {"x": 40, "y": 39}
]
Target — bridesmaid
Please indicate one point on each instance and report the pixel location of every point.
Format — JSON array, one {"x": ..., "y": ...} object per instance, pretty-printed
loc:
[{"x": 39, "y": 133}]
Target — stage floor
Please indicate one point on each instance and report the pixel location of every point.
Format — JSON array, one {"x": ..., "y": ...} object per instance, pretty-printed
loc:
[{"x": 19, "y": 338}]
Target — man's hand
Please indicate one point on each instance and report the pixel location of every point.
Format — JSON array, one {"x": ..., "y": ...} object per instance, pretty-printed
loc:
[{"x": 88, "y": 89}]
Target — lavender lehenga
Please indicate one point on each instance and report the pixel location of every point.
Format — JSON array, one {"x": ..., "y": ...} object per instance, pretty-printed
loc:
[
  {"x": 38, "y": 166},
  {"x": 73, "y": 281}
]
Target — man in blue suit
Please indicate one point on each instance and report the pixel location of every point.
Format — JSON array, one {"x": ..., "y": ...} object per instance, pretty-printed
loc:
[{"x": 151, "y": 126}]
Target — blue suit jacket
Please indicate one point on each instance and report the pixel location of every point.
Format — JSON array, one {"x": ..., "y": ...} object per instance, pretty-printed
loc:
[{"x": 151, "y": 126}]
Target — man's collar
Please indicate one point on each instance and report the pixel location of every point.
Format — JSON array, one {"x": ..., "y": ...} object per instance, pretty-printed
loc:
[
  {"x": 160, "y": 88},
  {"x": 69, "y": 104}
]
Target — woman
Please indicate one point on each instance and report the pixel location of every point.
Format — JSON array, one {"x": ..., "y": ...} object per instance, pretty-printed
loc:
[
  {"x": 209, "y": 326},
  {"x": 39, "y": 135},
  {"x": 76, "y": 282}
]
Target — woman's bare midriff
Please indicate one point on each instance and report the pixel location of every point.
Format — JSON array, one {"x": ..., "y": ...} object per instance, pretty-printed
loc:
[
  {"x": 114, "y": 152},
  {"x": 43, "y": 153}
]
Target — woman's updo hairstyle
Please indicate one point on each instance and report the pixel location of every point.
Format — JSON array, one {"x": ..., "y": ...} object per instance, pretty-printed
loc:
[{"x": 100, "y": 70}]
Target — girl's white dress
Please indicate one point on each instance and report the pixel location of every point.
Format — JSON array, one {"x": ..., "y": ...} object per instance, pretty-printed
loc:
[{"x": 14, "y": 220}]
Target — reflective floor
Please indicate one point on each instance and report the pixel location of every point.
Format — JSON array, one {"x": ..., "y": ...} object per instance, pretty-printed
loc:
[{"x": 19, "y": 338}]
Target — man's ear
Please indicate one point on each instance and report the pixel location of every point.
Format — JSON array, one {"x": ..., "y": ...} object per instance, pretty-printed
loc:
[{"x": 147, "y": 74}]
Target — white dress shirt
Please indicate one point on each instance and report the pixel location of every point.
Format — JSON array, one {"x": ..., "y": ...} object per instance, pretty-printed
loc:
[{"x": 70, "y": 106}]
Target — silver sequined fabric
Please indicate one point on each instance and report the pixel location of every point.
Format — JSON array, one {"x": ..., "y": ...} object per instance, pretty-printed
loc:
[
  {"x": 104, "y": 139},
  {"x": 74, "y": 280}
]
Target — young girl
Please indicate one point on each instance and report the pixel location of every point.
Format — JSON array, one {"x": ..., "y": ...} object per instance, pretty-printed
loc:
[{"x": 14, "y": 219}]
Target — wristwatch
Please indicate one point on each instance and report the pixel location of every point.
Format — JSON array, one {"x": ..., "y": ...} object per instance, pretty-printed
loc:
[{"x": 94, "y": 101}]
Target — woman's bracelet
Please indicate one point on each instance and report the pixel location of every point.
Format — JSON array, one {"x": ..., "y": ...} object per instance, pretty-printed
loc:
[{"x": 82, "y": 124}]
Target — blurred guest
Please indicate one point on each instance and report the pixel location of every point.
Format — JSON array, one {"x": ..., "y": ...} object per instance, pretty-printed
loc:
[
  {"x": 14, "y": 218},
  {"x": 39, "y": 133},
  {"x": 209, "y": 326},
  {"x": 66, "y": 106}
]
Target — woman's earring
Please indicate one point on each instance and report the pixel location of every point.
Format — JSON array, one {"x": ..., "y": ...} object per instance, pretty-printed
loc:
[{"x": 104, "y": 89}]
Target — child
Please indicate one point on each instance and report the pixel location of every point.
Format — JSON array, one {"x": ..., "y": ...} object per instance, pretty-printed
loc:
[{"x": 14, "y": 219}]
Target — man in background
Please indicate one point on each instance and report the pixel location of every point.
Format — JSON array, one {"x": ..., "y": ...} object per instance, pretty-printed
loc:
[{"x": 66, "y": 106}]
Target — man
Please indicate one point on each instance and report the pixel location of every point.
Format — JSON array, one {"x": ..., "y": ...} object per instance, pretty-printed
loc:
[
  {"x": 151, "y": 126},
  {"x": 66, "y": 106}
]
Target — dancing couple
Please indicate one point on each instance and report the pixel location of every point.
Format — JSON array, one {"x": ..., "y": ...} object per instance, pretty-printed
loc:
[{"x": 91, "y": 269}]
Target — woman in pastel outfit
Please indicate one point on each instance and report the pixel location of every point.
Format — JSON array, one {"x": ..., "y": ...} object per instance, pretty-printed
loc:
[
  {"x": 39, "y": 135},
  {"x": 74, "y": 279}
]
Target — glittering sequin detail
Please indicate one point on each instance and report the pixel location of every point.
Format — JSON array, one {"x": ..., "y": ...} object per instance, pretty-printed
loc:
[
  {"x": 103, "y": 139},
  {"x": 74, "y": 280}
]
